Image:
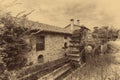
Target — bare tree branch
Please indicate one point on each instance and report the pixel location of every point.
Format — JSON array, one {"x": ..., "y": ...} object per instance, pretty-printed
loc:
[
  {"x": 20, "y": 13},
  {"x": 25, "y": 15}
]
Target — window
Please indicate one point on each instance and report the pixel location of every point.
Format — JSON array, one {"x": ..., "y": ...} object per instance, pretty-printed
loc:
[
  {"x": 40, "y": 44},
  {"x": 65, "y": 45},
  {"x": 40, "y": 59}
]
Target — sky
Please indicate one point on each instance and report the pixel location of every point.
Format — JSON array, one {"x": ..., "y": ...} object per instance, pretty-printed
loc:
[{"x": 91, "y": 13}]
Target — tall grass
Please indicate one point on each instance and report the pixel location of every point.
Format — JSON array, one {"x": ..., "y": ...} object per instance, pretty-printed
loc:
[{"x": 102, "y": 69}]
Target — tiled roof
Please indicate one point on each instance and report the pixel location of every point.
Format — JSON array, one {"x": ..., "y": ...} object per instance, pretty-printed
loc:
[
  {"x": 44, "y": 27},
  {"x": 77, "y": 26},
  {"x": 50, "y": 28}
]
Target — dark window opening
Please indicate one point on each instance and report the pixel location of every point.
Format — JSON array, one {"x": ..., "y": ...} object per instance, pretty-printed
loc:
[
  {"x": 40, "y": 59},
  {"x": 40, "y": 44},
  {"x": 65, "y": 45}
]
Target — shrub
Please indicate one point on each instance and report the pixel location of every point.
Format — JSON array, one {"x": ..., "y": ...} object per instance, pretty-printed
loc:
[{"x": 13, "y": 44}]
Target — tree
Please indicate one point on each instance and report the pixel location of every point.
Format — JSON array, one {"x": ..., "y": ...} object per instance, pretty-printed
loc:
[
  {"x": 113, "y": 33},
  {"x": 105, "y": 34},
  {"x": 12, "y": 42}
]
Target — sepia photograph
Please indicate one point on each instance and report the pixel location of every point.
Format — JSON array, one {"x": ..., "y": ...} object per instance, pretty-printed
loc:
[{"x": 59, "y": 40}]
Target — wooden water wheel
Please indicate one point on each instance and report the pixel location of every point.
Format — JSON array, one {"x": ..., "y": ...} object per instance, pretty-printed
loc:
[
  {"x": 81, "y": 42},
  {"x": 77, "y": 53}
]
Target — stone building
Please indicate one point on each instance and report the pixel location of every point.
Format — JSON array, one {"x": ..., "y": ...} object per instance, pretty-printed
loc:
[{"x": 48, "y": 42}]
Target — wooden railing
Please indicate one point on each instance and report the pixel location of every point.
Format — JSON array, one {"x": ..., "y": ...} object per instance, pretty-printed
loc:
[{"x": 36, "y": 71}]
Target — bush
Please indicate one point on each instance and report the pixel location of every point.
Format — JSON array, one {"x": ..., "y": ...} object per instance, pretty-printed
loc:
[{"x": 13, "y": 43}]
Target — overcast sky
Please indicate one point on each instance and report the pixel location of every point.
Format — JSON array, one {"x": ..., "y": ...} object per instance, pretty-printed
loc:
[{"x": 58, "y": 12}]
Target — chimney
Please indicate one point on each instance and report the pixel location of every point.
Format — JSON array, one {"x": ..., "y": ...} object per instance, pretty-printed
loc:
[
  {"x": 72, "y": 24},
  {"x": 78, "y": 22}
]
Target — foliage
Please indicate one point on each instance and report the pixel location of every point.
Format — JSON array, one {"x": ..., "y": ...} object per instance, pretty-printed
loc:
[
  {"x": 102, "y": 69},
  {"x": 105, "y": 34},
  {"x": 12, "y": 42}
]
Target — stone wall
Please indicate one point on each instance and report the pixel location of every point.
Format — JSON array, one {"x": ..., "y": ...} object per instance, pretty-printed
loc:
[{"x": 54, "y": 44}]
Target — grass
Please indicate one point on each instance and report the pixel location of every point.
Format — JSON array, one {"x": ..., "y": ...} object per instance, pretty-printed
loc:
[{"x": 101, "y": 69}]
